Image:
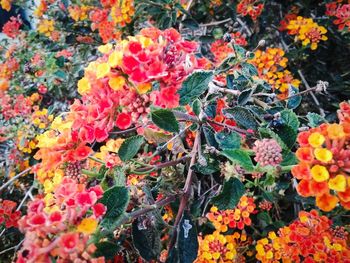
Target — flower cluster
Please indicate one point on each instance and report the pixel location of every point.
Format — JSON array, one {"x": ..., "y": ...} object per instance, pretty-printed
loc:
[
  {"x": 267, "y": 152},
  {"x": 6, "y": 4},
  {"x": 253, "y": 8},
  {"x": 11, "y": 28},
  {"x": 307, "y": 31},
  {"x": 271, "y": 65},
  {"x": 341, "y": 13},
  {"x": 310, "y": 238},
  {"x": 8, "y": 215},
  {"x": 236, "y": 218},
  {"x": 61, "y": 223},
  {"x": 216, "y": 247},
  {"x": 323, "y": 168},
  {"x": 221, "y": 49}
]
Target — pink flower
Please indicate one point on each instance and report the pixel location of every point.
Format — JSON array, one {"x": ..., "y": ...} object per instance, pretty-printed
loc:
[
  {"x": 99, "y": 210},
  {"x": 69, "y": 241}
]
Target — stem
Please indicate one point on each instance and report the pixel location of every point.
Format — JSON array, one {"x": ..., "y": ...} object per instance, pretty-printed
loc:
[
  {"x": 229, "y": 127},
  {"x": 186, "y": 190},
  {"x": 96, "y": 160},
  {"x": 89, "y": 173},
  {"x": 134, "y": 214},
  {"x": 161, "y": 165},
  {"x": 311, "y": 93},
  {"x": 125, "y": 131},
  {"x": 287, "y": 168},
  {"x": 14, "y": 178},
  {"x": 215, "y": 23},
  {"x": 184, "y": 116}
]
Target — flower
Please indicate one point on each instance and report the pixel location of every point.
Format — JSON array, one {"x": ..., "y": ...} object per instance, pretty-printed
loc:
[
  {"x": 307, "y": 31},
  {"x": 11, "y": 28},
  {"x": 253, "y": 8},
  {"x": 267, "y": 152},
  {"x": 232, "y": 218},
  {"x": 123, "y": 121},
  {"x": 87, "y": 226},
  {"x": 46, "y": 27},
  {"x": 341, "y": 13}
]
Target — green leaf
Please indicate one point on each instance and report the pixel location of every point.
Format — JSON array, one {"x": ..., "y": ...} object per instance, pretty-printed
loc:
[
  {"x": 288, "y": 135},
  {"x": 230, "y": 140},
  {"x": 295, "y": 101},
  {"x": 315, "y": 119},
  {"x": 146, "y": 239},
  {"x": 187, "y": 240},
  {"x": 194, "y": 86},
  {"x": 230, "y": 195},
  {"x": 106, "y": 249},
  {"x": 242, "y": 116},
  {"x": 244, "y": 97},
  {"x": 291, "y": 119},
  {"x": 209, "y": 135},
  {"x": 211, "y": 167},
  {"x": 239, "y": 157},
  {"x": 197, "y": 106},
  {"x": 60, "y": 74},
  {"x": 130, "y": 147},
  {"x": 116, "y": 200},
  {"x": 165, "y": 119},
  {"x": 249, "y": 70}
]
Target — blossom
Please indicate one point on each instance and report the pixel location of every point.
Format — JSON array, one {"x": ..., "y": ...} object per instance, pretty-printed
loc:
[
  {"x": 267, "y": 152},
  {"x": 324, "y": 163},
  {"x": 123, "y": 121},
  {"x": 46, "y": 27},
  {"x": 87, "y": 226},
  {"x": 253, "y": 8},
  {"x": 341, "y": 12},
  {"x": 11, "y": 28},
  {"x": 310, "y": 238},
  {"x": 233, "y": 218},
  {"x": 307, "y": 31}
]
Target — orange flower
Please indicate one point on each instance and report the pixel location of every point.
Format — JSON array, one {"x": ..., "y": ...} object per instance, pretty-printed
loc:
[
  {"x": 327, "y": 202},
  {"x": 305, "y": 154}
]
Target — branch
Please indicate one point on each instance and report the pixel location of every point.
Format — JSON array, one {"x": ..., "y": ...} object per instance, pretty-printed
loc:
[
  {"x": 14, "y": 178},
  {"x": 162, "y": 165},
  {"x": 186, "y": 190}
]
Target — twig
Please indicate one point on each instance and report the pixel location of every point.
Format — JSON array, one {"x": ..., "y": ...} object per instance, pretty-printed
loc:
[
  {"x": 230, "y": 127},
  {"x": 28, "y": 193},
  {"x": 125, "y": 131},
  {"x": 215, "y": 23},
  {"x": 186, "y": 190},
  {"x": 14, "y": 178},
  {"x": 249, "y": 32},
  {"x": 162, "y": 165},
  {"x": 312, "y": 94}
]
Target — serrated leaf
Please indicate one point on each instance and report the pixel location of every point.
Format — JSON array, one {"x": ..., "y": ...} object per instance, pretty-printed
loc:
[
  {"x": 212, "y": 166},
  {"x": 289, "y": 159},
  {"x": 288, "y": 135},
  {"x": 244, "y": 97},
  {"x": 315, "y": 119},
  {"x": 130, "y": 147},
  {"x": 146, "y": 239},
  {"x": 196, "y": 106},
  {"x": 116, "y": 200},
  {"x": 230, "y": 195},
  {"x": 290, "y": 119},
  {"x": 242, "y": 116},
  {"x": 249, "y": 69},
  {"x": 165, "y": 119},
  {"x": 209, "y": 135},
  {"x": 106, "y": 249},
  {"x": 239, "y": 157},
  {"x": 294, "y": 101},
  {"x": 226, "y": 140},
  {"x": 194, "y": 86}
]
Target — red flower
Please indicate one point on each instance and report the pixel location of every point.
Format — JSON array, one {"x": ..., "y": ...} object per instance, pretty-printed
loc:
[
  {"x": 99, "y": 210},
  {"x": 86, "y": 199},
  {"x": 11, "y": 28},
  {"x": 101, "y": 134},
  {"x": 82, "y": 152},
  {"x": 123, "y": 121},
  {"x": 69, "y": 241}
]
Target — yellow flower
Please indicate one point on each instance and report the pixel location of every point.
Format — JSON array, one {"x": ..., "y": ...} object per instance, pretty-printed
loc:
[
  {"x": 323, "y": 155},
  {"x": 116, "y": 83},
  {"x": 103, "y": 70},
  {"x": 46, "y": 27},
  {"x": 144, "y": 88},
  {"x": 115, "y": 59},
  {"x": 84, "y": 86},
  {"x": 319, "y": 173},
  {"x": 87, "y": 226},
  {"x": 104, "y": 49},
  {"x": 335, "y": 131},
  {"x": 316, "y": 139},
  {"x": 337, "y": 183}
]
